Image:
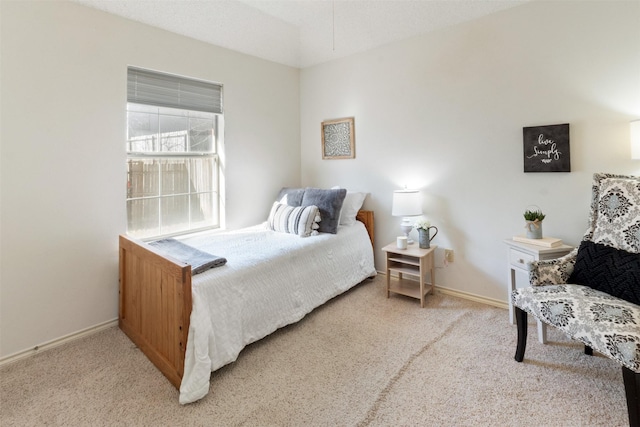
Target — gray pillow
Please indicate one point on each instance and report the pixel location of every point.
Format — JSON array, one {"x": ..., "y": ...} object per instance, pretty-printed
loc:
[
  {"x": 294, "y": 196},
  {"x": 329, "y": 202}
]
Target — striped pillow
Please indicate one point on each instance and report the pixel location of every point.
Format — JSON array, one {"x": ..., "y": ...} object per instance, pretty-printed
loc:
[{"x": 302, "y": 220}]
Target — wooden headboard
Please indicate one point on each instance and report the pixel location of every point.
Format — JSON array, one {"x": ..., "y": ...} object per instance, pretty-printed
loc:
[{"x": 366, "y": 217}]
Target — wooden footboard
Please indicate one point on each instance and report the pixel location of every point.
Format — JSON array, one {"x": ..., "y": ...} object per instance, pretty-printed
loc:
[
  {"x": 155, "y": 302},
  {"x": 155, "y": 305}
]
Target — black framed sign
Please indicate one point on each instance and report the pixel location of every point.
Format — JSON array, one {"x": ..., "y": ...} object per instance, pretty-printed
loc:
[{"x": 546, "y": 148}]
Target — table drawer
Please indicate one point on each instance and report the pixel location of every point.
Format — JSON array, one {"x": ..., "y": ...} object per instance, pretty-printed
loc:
[{"x": 520, "y": 259}]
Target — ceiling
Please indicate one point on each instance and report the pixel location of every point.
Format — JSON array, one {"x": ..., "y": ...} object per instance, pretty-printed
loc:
[{"x": 301, "y": 33}]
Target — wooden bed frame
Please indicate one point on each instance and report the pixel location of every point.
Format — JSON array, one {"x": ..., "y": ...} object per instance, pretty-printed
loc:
[{"x": 155, "y": 302}]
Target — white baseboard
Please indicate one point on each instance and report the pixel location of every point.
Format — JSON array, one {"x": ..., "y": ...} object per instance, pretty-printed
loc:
[
  {"x": 57, "y": 342},
  {"x": 97, "y": 328},
  {"x": 473, "y": 297}
]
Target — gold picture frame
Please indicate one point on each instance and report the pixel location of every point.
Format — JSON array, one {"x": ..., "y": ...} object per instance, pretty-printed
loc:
[{"x": 338, "y": 139}]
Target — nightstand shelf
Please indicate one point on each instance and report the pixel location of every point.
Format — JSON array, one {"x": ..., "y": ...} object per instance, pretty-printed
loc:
[
  {"x": 406, "y": 270},
  {"x": 409, "y": 288},
  {"x": 407, "y": 261},
  {"x": 415, "y": 262}
]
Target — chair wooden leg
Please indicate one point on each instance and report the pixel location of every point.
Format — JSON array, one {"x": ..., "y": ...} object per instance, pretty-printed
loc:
[
  {"x": 632, "y": 390},
  {"x": 521, "y": 321},
  {"x": 588, "y": 350}
]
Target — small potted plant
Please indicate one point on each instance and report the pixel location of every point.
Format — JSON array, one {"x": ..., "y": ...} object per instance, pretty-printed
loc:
[
  {"x": 423, "y": 226},
  {"x": 534, "y": 223}
]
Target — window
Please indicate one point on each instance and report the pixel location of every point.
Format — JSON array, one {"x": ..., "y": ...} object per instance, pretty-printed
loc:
[{"x": 174, "y": 128}]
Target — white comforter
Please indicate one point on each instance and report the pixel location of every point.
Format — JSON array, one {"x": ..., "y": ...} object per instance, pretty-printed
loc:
[{"x": 270, "y": 280}]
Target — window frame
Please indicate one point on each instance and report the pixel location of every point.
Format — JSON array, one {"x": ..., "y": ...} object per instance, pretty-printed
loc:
[{"x": 162, "y": 159}]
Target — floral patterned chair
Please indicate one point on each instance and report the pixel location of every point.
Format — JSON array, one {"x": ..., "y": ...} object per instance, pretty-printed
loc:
[{"x": 593, "y": 293}]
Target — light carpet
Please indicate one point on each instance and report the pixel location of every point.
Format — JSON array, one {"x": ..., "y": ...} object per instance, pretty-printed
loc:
[{"x": 359, "y": 360}]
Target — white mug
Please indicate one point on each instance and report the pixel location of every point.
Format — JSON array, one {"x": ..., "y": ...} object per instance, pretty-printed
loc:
[{"x": 402, "y": 242}]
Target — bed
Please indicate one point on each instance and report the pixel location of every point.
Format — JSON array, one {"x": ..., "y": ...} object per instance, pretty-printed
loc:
[{"x": 189, "y": 326}]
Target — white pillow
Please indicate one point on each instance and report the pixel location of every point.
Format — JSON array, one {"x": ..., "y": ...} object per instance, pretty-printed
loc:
[
  {"x": 302, "y": 220},
  {"x": 352, "y": 204}
]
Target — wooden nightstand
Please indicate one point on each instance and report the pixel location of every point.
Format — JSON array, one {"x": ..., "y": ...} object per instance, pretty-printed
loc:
[
  {"x": 520, "y": 256},
  {"x": 412, "y": 261}
]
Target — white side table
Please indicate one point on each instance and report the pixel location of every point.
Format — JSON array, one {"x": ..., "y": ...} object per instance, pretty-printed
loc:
[{"x": 520, "y": 256}]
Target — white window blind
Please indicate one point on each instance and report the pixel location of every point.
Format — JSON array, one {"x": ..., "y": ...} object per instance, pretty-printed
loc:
[{"x": 168, "y": 90}]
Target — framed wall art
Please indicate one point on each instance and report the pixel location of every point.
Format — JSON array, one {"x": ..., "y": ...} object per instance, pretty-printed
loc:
[
  {"x": 546, "y": 148},
  {"x": 338, "y": 139}
]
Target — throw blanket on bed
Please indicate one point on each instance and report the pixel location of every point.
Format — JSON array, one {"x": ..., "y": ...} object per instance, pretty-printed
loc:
[{"x": 200, "y": 261}]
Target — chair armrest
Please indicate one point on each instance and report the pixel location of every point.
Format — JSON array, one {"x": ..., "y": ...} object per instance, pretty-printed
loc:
[{"x": 552, "y": 271}]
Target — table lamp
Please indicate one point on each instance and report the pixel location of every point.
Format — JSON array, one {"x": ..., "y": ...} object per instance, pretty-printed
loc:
[{"x": 406, "y": 203}]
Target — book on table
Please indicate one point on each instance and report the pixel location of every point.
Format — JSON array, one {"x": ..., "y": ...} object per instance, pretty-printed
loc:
[{"x": 547, "y": 242}]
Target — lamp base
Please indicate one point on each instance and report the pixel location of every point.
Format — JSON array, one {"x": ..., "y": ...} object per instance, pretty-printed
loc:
[{"x": 406, "y": 227}]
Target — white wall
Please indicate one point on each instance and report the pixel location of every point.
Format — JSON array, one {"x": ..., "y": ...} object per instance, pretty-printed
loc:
[
  {"x": 63, "y": 87},
  {"x": 444, "y": 113}
]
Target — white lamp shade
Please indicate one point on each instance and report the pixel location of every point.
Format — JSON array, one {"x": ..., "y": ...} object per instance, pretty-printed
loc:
[
  {"x": 635, "y": 139},
  {"x": 406, "y": 203}
]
